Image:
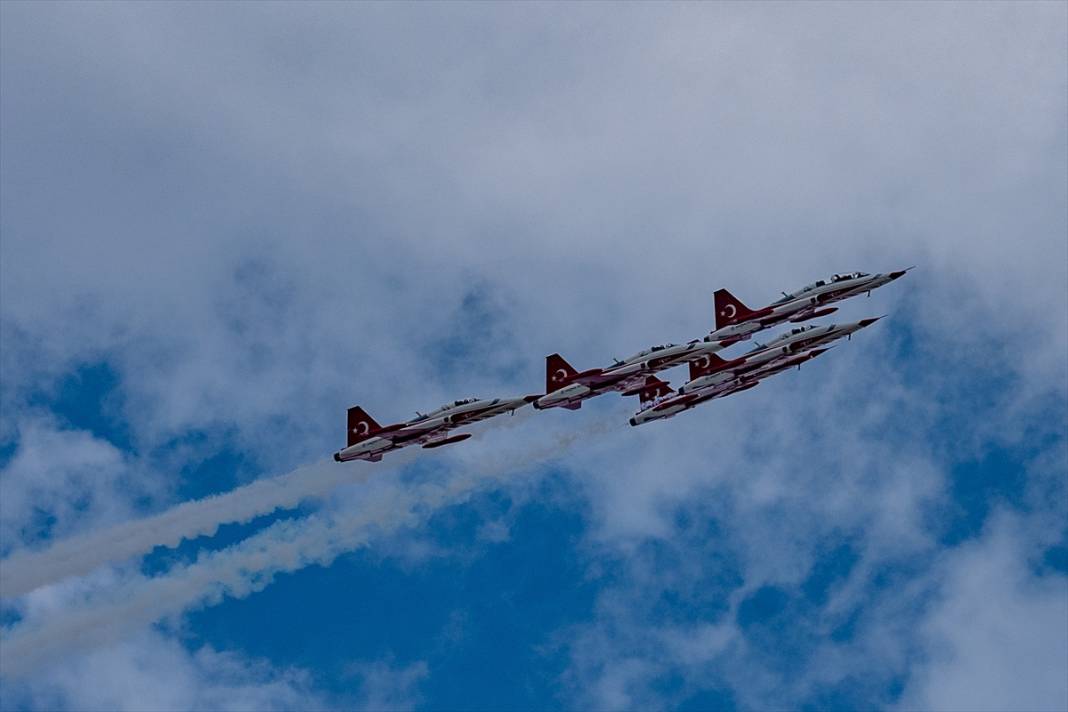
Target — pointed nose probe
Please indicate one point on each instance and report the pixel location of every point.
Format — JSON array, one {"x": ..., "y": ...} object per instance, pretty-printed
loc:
[{"x": 869, "y": 321}]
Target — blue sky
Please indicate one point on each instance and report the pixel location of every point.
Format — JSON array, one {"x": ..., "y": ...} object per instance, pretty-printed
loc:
[{"x": 224, "y": 224}]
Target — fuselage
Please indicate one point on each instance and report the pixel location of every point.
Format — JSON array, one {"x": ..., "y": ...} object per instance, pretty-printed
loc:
[
  {"x": 370, "y": 449},
  {"x": 803, "y": 338},
  {"x": 717, "y": 385},
  {"x": 841, "y": 286},
  {"x": 619, "y": 378},
  {"x": 785, "y": 346},
  {"x": 429, "y": 429},
  {"x": 807, "y": 303},
  {"x": 680, "y": 402},
  {"x": 625, "y": 375},
  {"x": 471, "y": 410}
]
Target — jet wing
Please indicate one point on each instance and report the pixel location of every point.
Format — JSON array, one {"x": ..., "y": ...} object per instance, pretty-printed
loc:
[
  {"x": 835, "y": 295},
  {"x": 726, "y": 390},
  {"x": 406, "y": 432},
  {"x": 597, "y": 378}
]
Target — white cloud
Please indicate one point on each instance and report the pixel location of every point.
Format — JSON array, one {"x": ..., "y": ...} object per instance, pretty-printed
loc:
[
  {"x": 152, "y": 671},
  {"x": 997, "y": 639},
  {"x": 386, "y": 687},
  {"x": 256, "y": 233},
  {"x": 61, "y": 481},
  {"x": 598, "y": 188}
]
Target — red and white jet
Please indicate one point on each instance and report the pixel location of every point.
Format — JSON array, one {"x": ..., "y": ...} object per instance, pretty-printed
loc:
[
  {"x": 367, "y": 440},
  {"x": 735, "y": 321},
  {"x": 659, "y": 401},
  {"x": 713, "y": 371},
  {"x": 565, "y": 387}
]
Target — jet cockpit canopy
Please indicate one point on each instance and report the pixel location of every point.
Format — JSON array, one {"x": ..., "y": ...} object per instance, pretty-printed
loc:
[
  {"x": 442, "y": 409},
  {"x": 642, "y": 354},
  {"x": 820, "y": 283}
]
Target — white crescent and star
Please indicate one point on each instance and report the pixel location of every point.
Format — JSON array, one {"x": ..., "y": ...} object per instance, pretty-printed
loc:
[
  {"x": 729, "y": 311},
  {"x": 559, "y": 374},
  {"x": 362, "y": 428}
]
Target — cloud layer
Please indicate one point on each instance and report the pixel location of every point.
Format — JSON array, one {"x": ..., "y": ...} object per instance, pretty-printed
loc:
[{"x": 256, "y": 216}]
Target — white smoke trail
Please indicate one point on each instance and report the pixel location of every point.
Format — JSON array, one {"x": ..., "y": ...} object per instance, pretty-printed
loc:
[
  {"x": 252, "y": 564},
  {"x": 24, "y": 571},
  {"x": 237, "y": 571}
]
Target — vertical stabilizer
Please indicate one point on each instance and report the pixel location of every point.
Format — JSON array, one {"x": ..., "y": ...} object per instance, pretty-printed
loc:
[
  {"x": 654, "y": 388},
  {"x": 729, "y": 310},
  {"x": 706, "y": 365},
  {"x": 360, "y": 426},
  {"x": 558, "y": 373}
]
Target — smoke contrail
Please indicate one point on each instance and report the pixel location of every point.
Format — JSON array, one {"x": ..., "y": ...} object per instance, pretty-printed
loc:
[
  {"x": 236, "y": 571},
  {"x": 252, "y": 564},
  {"x": 24, "y": 571}
]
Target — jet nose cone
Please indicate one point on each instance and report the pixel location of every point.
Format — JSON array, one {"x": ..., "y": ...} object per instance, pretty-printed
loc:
[
  {"x": 633, "y": 421},
  {"x": 530, "y": 399},
  {"x": 899, "y": 273},
  {"x": 869, "y": 321},
  {"x": 337, "y": 457}
]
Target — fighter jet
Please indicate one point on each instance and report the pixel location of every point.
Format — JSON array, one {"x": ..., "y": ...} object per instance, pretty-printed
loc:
[
  {"x": 367, "y": 440},
  {"x": 659, "y": 401},
  {"x": 717, "y": 373},
  {"x": 566, "y": 387},
  {"x": 712, "y": 370},
  {"x": 843, "y": 286},
  {"x": 801, "y": 338},
  {"x": 735, "y": 321}
]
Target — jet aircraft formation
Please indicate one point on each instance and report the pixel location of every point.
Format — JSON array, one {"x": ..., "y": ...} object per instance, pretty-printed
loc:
[{"x": 711, "y": 376}]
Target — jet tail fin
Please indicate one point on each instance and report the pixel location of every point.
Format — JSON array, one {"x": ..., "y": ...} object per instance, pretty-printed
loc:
[
  {"x": 360, "y": 425},
  {"x": 728, "y": 309},
  {"x": 558, "y": 373},
  {"x": 652, "y": 389},
  {"x": 709, "y": 363}
]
